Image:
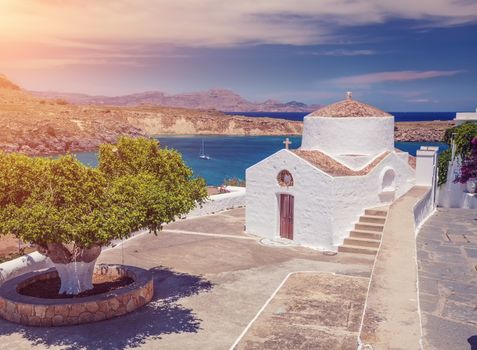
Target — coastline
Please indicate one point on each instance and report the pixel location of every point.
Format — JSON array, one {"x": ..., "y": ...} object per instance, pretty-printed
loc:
[
  {"x": 37, "y": 127},
  {"x": 404, "y": 132}
]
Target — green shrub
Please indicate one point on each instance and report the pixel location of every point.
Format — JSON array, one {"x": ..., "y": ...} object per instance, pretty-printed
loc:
[{"x": 235, "y": 181}]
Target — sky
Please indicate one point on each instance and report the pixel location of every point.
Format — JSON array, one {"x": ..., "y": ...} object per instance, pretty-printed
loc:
[{"x": 404, "y": 55}]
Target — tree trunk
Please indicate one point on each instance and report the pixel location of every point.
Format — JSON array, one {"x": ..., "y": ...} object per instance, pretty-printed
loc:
[
  {"x": 75, "y": 266},
  {"x": 76, "y": 277}
]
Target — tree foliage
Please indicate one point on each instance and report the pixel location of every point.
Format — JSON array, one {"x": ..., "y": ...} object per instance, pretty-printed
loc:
[
  {"x": 160, "y": 177},
  {"x": 137, "y": 185},
  {"x": 462, "y": 137},
  {"x": 443, "y": 165}
]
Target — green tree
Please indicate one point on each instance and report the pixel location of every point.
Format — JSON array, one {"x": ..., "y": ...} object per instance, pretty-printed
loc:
[
  {"x": 70, "y": 210},
  {"x": 460, "y": 137}
]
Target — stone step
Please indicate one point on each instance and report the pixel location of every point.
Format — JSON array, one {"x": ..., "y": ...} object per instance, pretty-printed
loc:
[
  {"x": 357, "y": 250},
  {"x": 372, "y": 219},
  {"x": 376, "y": 212},
  {"x": 365, "y": 234},
  {"x": 362, "y": 242},
  {"x": 369, "y": 227}
]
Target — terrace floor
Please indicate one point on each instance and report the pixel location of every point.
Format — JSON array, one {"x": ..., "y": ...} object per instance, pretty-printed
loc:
[
  {"x": 447, "y": 261},
  {"x": 217, "y": 288}
]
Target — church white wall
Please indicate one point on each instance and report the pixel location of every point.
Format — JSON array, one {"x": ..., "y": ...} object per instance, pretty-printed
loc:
[
  {"x": 348, "y": 136},
  {"x": 326, "y": 208},
  {"x": 312, "y": 192},
  {"x": 352, "y": 195}
]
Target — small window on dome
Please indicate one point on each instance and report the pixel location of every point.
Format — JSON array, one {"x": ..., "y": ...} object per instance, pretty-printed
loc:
[{"x": 285, "y": 179}]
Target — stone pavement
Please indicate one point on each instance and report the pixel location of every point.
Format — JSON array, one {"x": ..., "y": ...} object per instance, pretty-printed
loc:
[
  {"x": 315, "y": 310},
  {"x": 209, "y": 285},
  {"x": 447, "y": 258},
  {"x": 391, "y": 319}
]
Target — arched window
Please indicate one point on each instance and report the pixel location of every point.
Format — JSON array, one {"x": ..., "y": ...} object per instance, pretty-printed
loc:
[{"x": 285, "y": 179}]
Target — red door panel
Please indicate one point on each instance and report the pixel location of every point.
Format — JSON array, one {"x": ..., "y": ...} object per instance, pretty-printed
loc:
[{"x": 286, "y": 216}]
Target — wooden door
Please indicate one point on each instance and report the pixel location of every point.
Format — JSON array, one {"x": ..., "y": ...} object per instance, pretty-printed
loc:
[{"x": 286, "y": 216}]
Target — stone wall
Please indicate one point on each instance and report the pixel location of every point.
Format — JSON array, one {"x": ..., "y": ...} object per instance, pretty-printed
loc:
[{"x": 32, "y": 311}]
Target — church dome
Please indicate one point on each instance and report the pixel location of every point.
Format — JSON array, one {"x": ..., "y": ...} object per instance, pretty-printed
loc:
[
  {"x": 349, "y": 130},
  {"x": 349, "y": 108}
]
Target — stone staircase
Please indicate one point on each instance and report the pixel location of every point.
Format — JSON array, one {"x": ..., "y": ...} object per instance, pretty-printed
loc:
[{"x": 366, "y": 236}]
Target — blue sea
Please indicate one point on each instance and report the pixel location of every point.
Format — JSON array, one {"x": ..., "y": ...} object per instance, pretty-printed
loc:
[
  {"x": 398, "y": 116},
  {"x": 231, "y": 155}
]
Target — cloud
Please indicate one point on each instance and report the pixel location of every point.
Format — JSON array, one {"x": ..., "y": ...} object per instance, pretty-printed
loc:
[
  {"x": 39, "y": 34},
  {"x": 396, "y": 76},
  {"x": 214, "y": 23},
  {"x": 422, "y": 100},
  {"x": 36, "y": 55},
  {"x": 343, "y": 52}
]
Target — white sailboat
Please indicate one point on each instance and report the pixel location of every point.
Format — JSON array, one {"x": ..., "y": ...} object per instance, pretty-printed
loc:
[{"x": 202, "y": 152}]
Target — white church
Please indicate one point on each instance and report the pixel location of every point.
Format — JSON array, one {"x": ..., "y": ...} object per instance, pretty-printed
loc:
[{"x": 346, "y": 163}]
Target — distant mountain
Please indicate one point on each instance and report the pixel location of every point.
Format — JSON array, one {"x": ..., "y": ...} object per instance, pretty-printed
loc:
[{"x": 219, "y": 99}]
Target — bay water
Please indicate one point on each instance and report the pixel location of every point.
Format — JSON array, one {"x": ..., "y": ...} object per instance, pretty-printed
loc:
[
  {"x": 231, "y": 155},
  {"x": 398, "y": 116}
]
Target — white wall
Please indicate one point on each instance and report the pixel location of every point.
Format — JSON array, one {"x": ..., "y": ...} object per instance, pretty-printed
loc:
[
  {"x": 326, "y": 208},
  {"x": 423, "y": 209},
  {"x": 426, "y": 175},
  {"x": 426, "y": 163},
  {"x": 466, "y": 117},
  {"x": 27, "y": 263},
  {"x": 312, "y": 192},
  {"x": 219, "y": 202},
  {"x": 353, "y": 194},
  {"x": 348, "y": 136},
  {"x": 454, "y": 195}
]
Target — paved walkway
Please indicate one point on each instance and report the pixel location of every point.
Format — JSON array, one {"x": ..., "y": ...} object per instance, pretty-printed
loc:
[
  {"x": 208, "y": 287},
  {"x": 391, "y": 319},
  {"x": 447, "y": 257},
  {"x": 315, "y": 310}
]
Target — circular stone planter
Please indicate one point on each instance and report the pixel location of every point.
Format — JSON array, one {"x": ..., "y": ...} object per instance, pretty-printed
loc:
[{"x": 32, "y": 311}]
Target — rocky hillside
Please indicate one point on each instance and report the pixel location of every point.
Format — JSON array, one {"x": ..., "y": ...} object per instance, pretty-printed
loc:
[
  {"x": 43, "y": 126},
  {"x": 421, "y": 131},
  {"x": 220, "y": 99},
  {"x": 165, "y": 120},
  {"x": 34, "y": 126}
]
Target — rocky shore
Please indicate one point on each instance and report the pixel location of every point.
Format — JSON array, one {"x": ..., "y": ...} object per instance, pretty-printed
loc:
[
  {"x": 37, "y": 126},
  {"x": 421, "y": 131}
]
